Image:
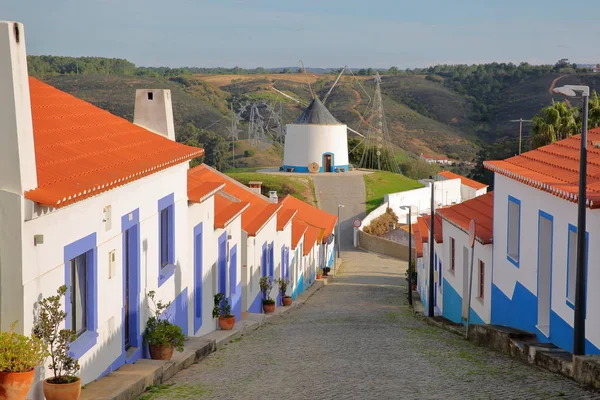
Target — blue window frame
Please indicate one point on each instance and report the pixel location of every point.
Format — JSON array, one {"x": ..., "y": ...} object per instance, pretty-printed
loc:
[
  {"x": 166, "y": 238},
  {"x": 572, "y": 264},
  {"x": 272, "y": 260},
  {"x": 81, "y": 305},
  {"x": 513, "y": 231}
]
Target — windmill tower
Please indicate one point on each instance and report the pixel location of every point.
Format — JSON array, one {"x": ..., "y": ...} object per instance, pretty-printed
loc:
[{"x": 378, "y": 152}]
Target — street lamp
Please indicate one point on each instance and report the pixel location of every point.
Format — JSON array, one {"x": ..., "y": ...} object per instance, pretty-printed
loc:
[
  {"x": 430, "y": 305},
  {"x": 520, "y": 121},
  {"x": 338, "y": 229},
  {"x": 409, "y": 253},
  {"x": 580, "y": 279}
]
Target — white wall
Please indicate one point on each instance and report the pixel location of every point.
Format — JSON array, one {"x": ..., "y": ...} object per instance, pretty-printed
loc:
[
  {"x": 45, "y": 269},
  {"x": 305, "y": 144}
]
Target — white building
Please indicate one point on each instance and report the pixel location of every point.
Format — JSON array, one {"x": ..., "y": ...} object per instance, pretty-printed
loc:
[
  {"x": 316, "y": 138},
  {"x": 535, "y": 237},
  {"x": 435, "y": 160},
  {"x": 469, "y": 189}
]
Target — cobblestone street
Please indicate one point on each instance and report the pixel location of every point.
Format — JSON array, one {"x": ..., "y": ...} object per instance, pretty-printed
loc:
[{"x": 357, "y": 339}]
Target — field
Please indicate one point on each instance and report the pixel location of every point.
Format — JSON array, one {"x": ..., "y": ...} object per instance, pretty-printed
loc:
[
  {"x": 298, "y": 186},
  {"x": 379, "y": 184}
]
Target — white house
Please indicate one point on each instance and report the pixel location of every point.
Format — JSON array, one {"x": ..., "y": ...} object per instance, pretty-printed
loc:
[
  {"x": 87, "y": 201},
  {"x": 535, "y": 237},
  {"x": 423, "y": 263},
  {"x": 435, "y": 159},
  {"x": 457, "y": 256},
  {"x": 469, "y": 188},
  {"x": 316, "y": 138}
]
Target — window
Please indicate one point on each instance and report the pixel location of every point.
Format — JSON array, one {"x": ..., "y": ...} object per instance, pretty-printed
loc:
[
  {"x": 481, "y": 292},
  {"x": 150, "y": 96},
  {"x": 452, "y": 254},
  {"x": 572, "y": 263},
  {"x": 513, "y": 230},
  {"x": 79, "y": 294},
  {"x": 164, "y": 237}
]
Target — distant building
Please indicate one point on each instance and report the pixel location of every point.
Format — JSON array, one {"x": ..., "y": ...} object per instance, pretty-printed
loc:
[
  {"x": 436, "y": 160},
  {"x": 316, "y": 142},
  {"x": 469, "y": 188}
]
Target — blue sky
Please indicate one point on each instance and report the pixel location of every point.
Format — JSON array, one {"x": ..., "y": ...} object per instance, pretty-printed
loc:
[{"x": 322, "y": 33}]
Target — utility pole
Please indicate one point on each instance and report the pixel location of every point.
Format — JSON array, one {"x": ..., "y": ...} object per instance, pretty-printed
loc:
[
  {"x": 520, "y": 121},
  {"x": 410, "y": 299},
  {"x": 431, "y": 251}
]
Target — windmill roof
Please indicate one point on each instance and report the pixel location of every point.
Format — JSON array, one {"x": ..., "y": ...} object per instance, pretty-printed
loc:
[{"x": 316, "y": 113}]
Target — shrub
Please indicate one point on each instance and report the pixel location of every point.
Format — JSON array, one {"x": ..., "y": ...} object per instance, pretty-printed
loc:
[
  {"x": 266, "y": 285},
  {"x": 283, "y": 285},
  {"x": 248, "y": 153},
  {"x": 159, "y": 331},
  {"x": 222, "y": 307},
  {"x": 381, "y": 224},
  {"x": 19, "y": 353}
]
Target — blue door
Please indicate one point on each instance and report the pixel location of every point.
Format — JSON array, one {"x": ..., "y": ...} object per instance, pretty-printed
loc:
[
  {"x": 234, "y": 288},
  {"x": 198, "y": 277},
  {"x": 222, "y": 262}
]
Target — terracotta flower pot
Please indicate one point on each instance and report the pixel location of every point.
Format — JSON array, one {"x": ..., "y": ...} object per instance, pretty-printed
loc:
[
  {"x": 268, "y": 308},
  {"x": 161, "y": 352},
  {"x": 15, "y": 385},
  {"x": 62, "y": 391},
  {"x": 319, "y": 276},
  {"x": 226, "y": 323},
  {"x": 287, "y": 301}
]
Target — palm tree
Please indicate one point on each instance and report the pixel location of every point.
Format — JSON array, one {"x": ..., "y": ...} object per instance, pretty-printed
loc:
[
  {"x": 555, "y": 122},
  {"x": 594, "y": 111}
]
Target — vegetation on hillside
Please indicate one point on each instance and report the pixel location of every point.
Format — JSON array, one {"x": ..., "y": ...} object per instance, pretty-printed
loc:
[
  {"x": 300, "y": 187},
  {"x": 378, "y": 184},
  {"x": 381, "y": 224}
]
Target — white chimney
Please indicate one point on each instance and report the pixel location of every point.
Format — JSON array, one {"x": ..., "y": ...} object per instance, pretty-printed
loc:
[
  {"x": 154, "y": 111},
  {"x": 273, "y": 196},
  {"x": 17, "y": 153},
  {"x": 255, "y": 186}
]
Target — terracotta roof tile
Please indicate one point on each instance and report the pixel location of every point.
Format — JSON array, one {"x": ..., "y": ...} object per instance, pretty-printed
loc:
[
  {"x": 298, "y": 229},
  {"x": 264, "y": 216},
  {"x": 481, "y": 208},
  {"x": 284, "y": 216},
  {"x": 227, "y": 210},
  {"x": 438, "y": 234},
  {"x": 418, "y": 240},
  {"x": 555, "y": 168},
  {"x": 82, "y": 150},
  {"x": 200, "y": 190},
  {"x": 423, "y": 229},
  {"x": 463, "y": 180},
  {"x": 310, "y": 238},
  {"x": 311, "y": 215}
]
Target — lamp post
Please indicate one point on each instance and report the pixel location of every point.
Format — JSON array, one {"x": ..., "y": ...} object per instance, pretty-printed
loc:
[
  {"x": 580, "y": 279},
  {"x": 338, "y": 229},
  {"x": 409, "y": 253},
  {"x": 520, "y": 121}
]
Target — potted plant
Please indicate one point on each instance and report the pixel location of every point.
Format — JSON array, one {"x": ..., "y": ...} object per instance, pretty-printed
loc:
[
  {"x": 283, "y": 284},
  {"x": 161, "y": 336},
  {"x": 266, "y": 285},
  {"x": 19, "y": 355},
  {"x": 319, "y": 273},
  {"x": 64, "y": 385},
  {"x": 222, "y": 310},
  {"x": 413, "y": 273}
]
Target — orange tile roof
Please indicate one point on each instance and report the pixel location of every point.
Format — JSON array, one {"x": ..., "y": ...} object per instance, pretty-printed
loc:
[
  {"x": 200, "y": 190},
  {"x": 555, "y": 168},
  {"x": 310, "y": 238},
  {"x": 463, "y": 180},
  {"x": 260, "y": 209},
  {"x": 298, "y": 229},
  {"x": 481, "y": 208},
  {"x": 438, "y": 235},
  {"x": 311, "y": 215},
  {"x": 227, "y": 210},
  {"x": 423, "y": 229},
  {"x": 82, "y": 150},
  {"x": 418, "y": 240},
  {"x": 284, "y": 216}
]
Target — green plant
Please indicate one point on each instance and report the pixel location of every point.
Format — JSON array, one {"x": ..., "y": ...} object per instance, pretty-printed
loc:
[
  {"x": 283, "y": 285},
  {"x": 266, "y": 285},
  {"x": 319, "y": 271},
  {"x": 50, "y": 318},
  {"x": 413, "y": 272},
  {"x": 20, "y": 353},
  {"x": 222, "y": 307},
  {"x": 159, "y": 331}
]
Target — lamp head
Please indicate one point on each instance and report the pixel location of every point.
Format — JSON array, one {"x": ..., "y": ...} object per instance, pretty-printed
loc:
[{"x": 572, "y": 90}]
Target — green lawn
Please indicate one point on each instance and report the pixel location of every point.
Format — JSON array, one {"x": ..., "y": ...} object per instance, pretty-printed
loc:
[
  {"x": 379, "y": 184},
  {"x": 299, "y": 187}
]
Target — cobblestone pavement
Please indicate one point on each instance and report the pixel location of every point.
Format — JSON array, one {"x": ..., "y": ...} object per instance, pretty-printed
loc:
[{"x": 357, "y": 339}]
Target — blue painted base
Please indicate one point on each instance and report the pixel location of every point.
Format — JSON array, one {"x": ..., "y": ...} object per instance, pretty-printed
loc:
[
  {"x": 236, "y": 303},
  {"x": 474, "y": 318},
  {"x": 301, "y": 284},
  {"x": 256, "y": 306},
  {"x": 520, "y": 312},
  {"x": 561, "y": 334},
  {"x": 452, "y": 303},
  {"x": 304, "y": 169}
]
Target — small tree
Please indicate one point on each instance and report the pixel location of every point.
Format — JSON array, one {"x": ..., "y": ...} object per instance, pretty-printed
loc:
[
  {"x": 50, "y": 318},
  {"x": 266, "y": 285},
  {"x": 159, "y": 331},
  {"x": 283, "y": 285},
  {"x": 222, "y": 307}
]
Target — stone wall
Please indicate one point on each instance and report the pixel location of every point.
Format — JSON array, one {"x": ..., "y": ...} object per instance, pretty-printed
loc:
[{"x": 382, "y": 246}]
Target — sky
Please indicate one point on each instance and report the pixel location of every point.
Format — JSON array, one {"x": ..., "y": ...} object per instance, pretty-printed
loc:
[{"x": 322, "y": 33}]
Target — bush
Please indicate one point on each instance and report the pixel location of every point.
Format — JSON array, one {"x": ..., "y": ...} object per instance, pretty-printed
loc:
[
  {"x": 19, "y": 353},
  {"x": 381, "y": 224},
  {"x": 248, "y": 153},
  {"x": 159, "y": 331}
]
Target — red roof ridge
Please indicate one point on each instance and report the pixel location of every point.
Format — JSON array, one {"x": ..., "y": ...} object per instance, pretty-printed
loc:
[
  {"x": 480, "y": 208},
  {"x": 463, "y": 180}
]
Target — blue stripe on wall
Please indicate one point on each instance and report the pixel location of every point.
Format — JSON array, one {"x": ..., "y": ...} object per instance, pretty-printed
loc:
[
  {"x": 561, "y": 334},
  {"x": 452, "y": 303},
  {"x": 474, "y": 318},
  {"x": 256, "y": 306},
  {"x": 520, "y": 312}
]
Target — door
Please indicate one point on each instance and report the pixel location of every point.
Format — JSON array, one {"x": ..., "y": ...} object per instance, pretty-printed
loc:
[
  {"x": 198, "y": 277},
  {"x": 545, "y": 227},
  {"x": 127, "y": 284},
  {"x": 465, "y": 286},
  {"x": 327, "y": 163},
  {"x": 222, "y": 261},
  {"x": 236, "y": 304}
]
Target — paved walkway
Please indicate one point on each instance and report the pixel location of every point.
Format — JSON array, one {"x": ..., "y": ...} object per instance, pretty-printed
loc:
[{"x": 357, "y": 339}]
